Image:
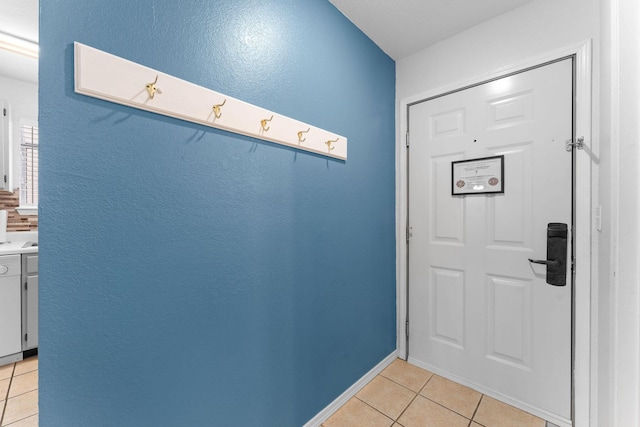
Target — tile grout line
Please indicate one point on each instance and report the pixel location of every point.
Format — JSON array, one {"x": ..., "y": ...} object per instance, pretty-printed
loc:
[
  {"x": 471, "y": 420},
  {"x": 440, "y": 404},
  {"x": 453, "y": 410},
  {"x": 403, "y": 411},
  {"x": 6, "y": 400},
  {"x": 24, "y": 392},
  {"x": 18, "y": 420},
  {"x": 375, "y": 409},
  {"x": 404, "y": 386},
  {"x": 445, "y": 407},
  {"x": 476, "y": 411},
  {"x": 416, "y": 394},
  {"x": 414, "y": 397}
]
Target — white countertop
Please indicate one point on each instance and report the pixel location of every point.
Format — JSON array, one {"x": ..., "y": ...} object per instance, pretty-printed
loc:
[{"x": 9, "y": 248}]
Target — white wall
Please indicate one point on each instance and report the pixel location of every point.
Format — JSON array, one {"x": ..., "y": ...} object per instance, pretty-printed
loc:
[
  {"x": 534, "y": 30},
  {"x": 620, "y": 301},
  {"x": 515, "y": 37},
  {"x": 22, "y": 98}
]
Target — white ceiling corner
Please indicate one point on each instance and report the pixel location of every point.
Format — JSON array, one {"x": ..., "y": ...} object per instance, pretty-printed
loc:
[{"x": 403, "y": 27}]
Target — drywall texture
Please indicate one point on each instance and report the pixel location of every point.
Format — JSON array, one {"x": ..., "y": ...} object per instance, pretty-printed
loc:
[{"x": 194, "y": 277}]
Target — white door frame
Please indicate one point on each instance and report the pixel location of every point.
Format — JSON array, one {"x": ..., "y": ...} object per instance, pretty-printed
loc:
[{"x": 583, "y": 211}]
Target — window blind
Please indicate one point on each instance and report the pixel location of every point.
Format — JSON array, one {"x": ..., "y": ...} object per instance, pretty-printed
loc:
[{"x": 29, "y": 165}]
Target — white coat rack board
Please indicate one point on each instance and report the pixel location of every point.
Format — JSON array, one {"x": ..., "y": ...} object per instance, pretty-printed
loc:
[{"x": 105, "y": 76}]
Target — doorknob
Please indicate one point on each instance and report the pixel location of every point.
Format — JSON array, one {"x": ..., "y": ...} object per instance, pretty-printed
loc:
[{"x": 556, "y": 261}]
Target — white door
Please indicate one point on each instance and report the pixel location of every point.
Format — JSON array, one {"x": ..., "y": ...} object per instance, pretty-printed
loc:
[{"x": 479, "y": 311}]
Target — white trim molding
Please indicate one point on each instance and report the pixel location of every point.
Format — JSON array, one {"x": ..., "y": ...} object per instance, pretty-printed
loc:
[
  {"x": 586, "y": 160},
  {"x": 625, "y": 207},
  {"x": 323, "y": 415}
]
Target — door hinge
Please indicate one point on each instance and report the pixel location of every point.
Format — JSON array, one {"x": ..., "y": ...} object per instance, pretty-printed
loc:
[
  {"x": 4, "y": 111},
  {"x": 5, "y": 179},
  {"x": 408, "y": 234},
  {"x": 570, "y": 144},
  {"x": 25, "y": 336},
  {"x": 25, "y": 286},
  {"x": 407, "y": 140},
  {"x": 406, "y": 328}
]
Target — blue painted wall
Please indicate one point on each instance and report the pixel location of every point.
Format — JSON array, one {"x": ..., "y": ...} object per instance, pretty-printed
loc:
[{"x": 193, "y": 277}]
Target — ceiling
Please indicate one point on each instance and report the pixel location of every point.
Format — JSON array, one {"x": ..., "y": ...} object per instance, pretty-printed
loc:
[
  {"x": 19, "y": 18},
  {"x": 399, "y": 27},
  {"x": 403, "y": 27}
]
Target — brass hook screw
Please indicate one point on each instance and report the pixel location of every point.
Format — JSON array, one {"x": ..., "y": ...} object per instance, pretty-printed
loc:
[
  {"x": 331, "y": 141},
  {"x": 152, "y": 89},
  {"x": 216, "y": 109},
  {"x": 300, "y": 138},
  {"x": 263, "y": 123}
]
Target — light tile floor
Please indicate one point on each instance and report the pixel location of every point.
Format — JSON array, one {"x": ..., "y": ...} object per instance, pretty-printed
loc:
[
  {"x": 19, "y": 394},
  {"x": 404, "y": 395}
]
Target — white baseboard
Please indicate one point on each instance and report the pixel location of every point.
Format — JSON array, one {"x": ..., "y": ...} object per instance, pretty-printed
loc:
[{"x": 323, "y": 415}]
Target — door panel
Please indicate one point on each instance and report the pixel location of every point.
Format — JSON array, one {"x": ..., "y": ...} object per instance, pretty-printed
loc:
[
  {"x": 447, "y": 308},
  {"x": 478, "y": 310},
  {"x": 509, "y": 326}
]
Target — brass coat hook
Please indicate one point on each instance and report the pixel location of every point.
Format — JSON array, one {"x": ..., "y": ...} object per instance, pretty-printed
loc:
[
  {"x": 300, "y": 138},
  {"x": 331, "y": 141},
  {"x": 216, "y": 109},
  {"x": 152, "y": 89},
  {"x": 263, "y": 123}
]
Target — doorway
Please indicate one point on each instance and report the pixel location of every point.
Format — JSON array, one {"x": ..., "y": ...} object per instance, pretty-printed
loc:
[{"x": 478, "y": 310}]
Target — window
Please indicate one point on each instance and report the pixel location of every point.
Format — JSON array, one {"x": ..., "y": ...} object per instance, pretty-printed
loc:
[{"x": 28, "y": 165}]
